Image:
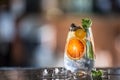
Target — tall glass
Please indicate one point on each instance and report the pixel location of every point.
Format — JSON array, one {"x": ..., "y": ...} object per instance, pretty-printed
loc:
[{"x": 79, "y": 49}]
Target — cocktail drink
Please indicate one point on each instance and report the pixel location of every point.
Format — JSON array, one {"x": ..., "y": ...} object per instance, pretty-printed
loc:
[{"x": 79, "y": 49}]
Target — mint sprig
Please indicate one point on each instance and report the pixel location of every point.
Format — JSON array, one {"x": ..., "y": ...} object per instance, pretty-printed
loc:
[
  {"x": 86, "y": 23},
  {"x": 97, "y": 74},
  {"x": 90, "y": 52}
]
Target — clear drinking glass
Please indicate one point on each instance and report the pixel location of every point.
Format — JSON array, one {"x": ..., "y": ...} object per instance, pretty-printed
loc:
[{"x": 79, "y": 49}]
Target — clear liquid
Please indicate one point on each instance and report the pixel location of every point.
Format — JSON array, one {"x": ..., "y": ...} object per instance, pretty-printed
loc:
[{"x": 82, "y": 65}]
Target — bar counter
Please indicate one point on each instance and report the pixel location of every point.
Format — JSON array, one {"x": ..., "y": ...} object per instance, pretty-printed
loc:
[{"x": 56, "y": 73}]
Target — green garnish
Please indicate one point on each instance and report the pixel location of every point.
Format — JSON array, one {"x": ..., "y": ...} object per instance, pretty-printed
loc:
[
  {"x": 97, "y": 74},
  {"x": 90, "y": 52},
  {"x": 86, "y": 23}
]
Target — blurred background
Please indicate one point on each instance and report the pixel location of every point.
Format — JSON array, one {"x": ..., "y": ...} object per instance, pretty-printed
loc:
[{"x": 33, "y": 32}]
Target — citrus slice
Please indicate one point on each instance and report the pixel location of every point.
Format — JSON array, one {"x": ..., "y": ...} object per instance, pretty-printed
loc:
[
  {"x": 75, "y": 48},
  {"x": 80, "y": 33}
]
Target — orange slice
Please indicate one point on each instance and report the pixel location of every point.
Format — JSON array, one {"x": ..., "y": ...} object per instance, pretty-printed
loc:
[
  {"x": 80, "y": 33},
  {"x": 75, "y": 48}
]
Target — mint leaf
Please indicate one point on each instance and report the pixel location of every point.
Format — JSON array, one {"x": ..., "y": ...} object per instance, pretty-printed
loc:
[
  {"x": 90, "y": 52},
  {"x": 97, "y": 74},
  {"x": 86, "y": 23}
]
